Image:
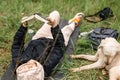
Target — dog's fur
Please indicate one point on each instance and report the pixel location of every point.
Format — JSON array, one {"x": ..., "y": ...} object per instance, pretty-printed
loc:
[{"x": 107, "y": 56}]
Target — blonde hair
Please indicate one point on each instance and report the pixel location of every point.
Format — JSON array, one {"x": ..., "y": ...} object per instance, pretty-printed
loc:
[{"x": 32, "y": 70}]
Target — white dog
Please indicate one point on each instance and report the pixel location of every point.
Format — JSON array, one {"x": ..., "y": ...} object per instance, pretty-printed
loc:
[{"x": 107, "y": 56}]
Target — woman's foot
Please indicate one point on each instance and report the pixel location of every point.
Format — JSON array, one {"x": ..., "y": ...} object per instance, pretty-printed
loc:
[
  {"x": 53, "y": 18},
  {"x": 24, "y": 21},
  {"x": 77, "y": 18}
]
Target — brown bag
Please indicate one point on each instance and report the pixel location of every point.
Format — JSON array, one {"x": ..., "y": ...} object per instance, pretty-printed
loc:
[{"x": 32, "y": 70}]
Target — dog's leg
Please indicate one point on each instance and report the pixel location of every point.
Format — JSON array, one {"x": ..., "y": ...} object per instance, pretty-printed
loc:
[
  {"x": 99, "y": 64},
  {"x": 87, "y": 57}
]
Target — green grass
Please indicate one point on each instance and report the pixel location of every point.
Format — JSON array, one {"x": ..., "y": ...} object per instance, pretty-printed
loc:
[{"x": 11, "y": 12}]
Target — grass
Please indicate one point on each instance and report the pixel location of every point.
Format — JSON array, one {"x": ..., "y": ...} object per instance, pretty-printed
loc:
[{"x": 11, "y": 12}]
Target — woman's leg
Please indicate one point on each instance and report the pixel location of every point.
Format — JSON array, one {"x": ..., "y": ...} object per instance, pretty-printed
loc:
[
  {"x": 45, "y": 30},
  {"x": 68, "y": 29}
]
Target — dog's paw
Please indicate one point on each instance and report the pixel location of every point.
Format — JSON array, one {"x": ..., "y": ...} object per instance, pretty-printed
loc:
[
  {"x": 104, "y": 72},
  {"x": 72, "y": 56},
  {"x": 74, "y": 69}
]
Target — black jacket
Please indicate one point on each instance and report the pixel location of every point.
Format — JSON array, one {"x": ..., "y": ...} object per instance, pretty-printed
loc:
[{"x": 47, "y": 51}]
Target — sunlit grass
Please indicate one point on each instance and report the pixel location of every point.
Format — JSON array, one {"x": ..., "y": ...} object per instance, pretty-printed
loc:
[{"x": 11, "y": 12}]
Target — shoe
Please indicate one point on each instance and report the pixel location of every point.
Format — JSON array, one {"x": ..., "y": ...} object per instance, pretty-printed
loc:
[
  {"x": 77, "y": 18},
  {"x": 100, "y": 15}
]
